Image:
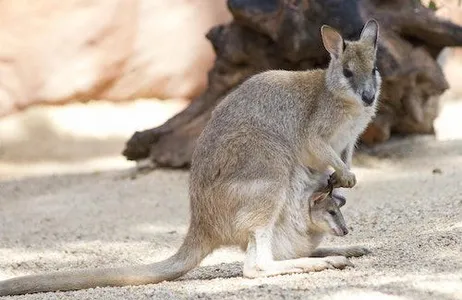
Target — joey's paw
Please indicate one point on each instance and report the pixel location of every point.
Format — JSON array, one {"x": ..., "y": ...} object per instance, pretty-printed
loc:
[
  {"x": 340, "y": 200},
  {"x": 338, "y": 262},
  {"x": 345, "y": 180},
  {"x": 356, "y": 251}
]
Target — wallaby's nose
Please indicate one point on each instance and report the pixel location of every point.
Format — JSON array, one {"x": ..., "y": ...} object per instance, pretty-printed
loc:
[
  {"x": 368, "y": 97},
  {"x": 340, "y": 230}
]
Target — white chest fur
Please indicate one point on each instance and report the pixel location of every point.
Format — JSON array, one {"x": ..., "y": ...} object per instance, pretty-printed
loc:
[{"x": 349, "y": 131}]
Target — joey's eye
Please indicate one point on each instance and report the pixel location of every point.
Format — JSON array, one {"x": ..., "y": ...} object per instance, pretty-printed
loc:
[
  {"x": 332, "y": 212},
  {"x": 347, "y": 73},
  {"x": 374, "y": 70}
]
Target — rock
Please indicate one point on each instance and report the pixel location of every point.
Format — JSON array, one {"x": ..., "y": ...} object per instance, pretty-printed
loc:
[
  {"x": 437, "y": 171},
  {"x": 59, "y": 51}
]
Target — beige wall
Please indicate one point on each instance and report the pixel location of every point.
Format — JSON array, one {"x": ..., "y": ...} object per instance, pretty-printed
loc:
[
  {"x": 54, "y": 51},
  {"x": 451, "y": 58}
]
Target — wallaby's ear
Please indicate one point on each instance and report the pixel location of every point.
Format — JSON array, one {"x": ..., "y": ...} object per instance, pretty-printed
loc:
[
  {"x": 370, "y": 32},
  {"x": 318, "y": 197},
  {"x": 339, "y": 200},
  {"x": 332, "y": 40}
]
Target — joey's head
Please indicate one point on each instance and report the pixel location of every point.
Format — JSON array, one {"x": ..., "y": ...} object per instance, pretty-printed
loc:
[
  {"x": 352, "y": 73},
  {"x": 325, "y": 214}
]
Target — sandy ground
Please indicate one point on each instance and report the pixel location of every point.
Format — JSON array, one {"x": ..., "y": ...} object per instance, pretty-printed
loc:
[{"x": 67, "y": 201}]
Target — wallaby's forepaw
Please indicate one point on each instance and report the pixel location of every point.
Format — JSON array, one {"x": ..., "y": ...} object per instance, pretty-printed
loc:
[{"x": 345, "y": 180}]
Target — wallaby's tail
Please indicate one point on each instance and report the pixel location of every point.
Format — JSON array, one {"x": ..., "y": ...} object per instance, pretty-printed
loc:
[{"x": 191, "y": 253}]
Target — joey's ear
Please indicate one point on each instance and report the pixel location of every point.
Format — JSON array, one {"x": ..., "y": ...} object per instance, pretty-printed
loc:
[
  {"x": 318, "y": 197},
  {"x": 332, "y": 40},
  {"x": 370, "y": 32}
]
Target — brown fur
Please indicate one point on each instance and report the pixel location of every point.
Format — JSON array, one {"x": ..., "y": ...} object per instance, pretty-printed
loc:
[{"x": 265, "y": 151}]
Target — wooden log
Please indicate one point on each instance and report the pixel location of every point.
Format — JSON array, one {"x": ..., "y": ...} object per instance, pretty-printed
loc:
[{"x": 285, "y": 34}]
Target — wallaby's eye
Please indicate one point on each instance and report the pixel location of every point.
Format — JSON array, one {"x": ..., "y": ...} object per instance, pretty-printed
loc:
[
  {"x": 374, "y": 70},
  {"x": 347, "y": 73},
  {"x": 332, "y": 212}
]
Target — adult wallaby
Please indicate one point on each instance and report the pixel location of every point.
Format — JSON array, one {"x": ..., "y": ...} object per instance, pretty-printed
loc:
[
  {"x": 256, "y": 168},
  {"x": 296, "y": 234}
]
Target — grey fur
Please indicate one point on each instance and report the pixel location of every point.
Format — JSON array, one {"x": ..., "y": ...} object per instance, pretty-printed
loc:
[{"x": 257, "y": 170}]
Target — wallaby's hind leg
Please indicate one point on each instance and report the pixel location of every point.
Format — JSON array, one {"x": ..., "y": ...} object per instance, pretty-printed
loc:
[
  {"x": 259, "y": 260},
  {"x": 353, "y": 251}
]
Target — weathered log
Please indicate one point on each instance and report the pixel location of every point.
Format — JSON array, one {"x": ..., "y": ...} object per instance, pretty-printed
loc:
[{"x": 285, "y": 34}]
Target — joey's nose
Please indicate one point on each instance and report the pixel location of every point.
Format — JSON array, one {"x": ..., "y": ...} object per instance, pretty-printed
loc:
[
  {"x": 340, "y": 231},
  {"x": 368, "y": 97}
]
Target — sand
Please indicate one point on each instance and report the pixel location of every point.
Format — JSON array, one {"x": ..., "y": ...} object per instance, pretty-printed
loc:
[{"x": 58, "y": 214}]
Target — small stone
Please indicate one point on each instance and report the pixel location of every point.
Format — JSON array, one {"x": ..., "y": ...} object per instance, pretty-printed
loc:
[{"x": 437, "y": 171}]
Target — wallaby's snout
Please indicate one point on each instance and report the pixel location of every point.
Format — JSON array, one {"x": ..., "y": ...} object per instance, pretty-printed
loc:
[
  {"x": 368, "y": 96},
  {"x": 340, "y": 230},
  {"x": 335, "y": 219}
]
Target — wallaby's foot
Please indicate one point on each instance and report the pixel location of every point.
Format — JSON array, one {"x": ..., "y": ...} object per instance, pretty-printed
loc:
[
  {"x": 313, "y": 264},
  {"x": 353, "y": 251},
  {"x": 259, "y": 259},
  {"x": 267, "y": 271},
  {"x": 346, "y": 180},
  {"x": 298, "y": 265}
]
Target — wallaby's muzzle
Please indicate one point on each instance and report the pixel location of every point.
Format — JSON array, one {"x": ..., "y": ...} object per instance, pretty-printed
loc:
[
  {"x": 368, "y": 97},
  {"x": 340, "y": 231}
]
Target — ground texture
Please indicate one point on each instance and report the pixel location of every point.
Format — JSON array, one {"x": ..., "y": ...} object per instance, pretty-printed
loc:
[{"x": 406, "y": 207}]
